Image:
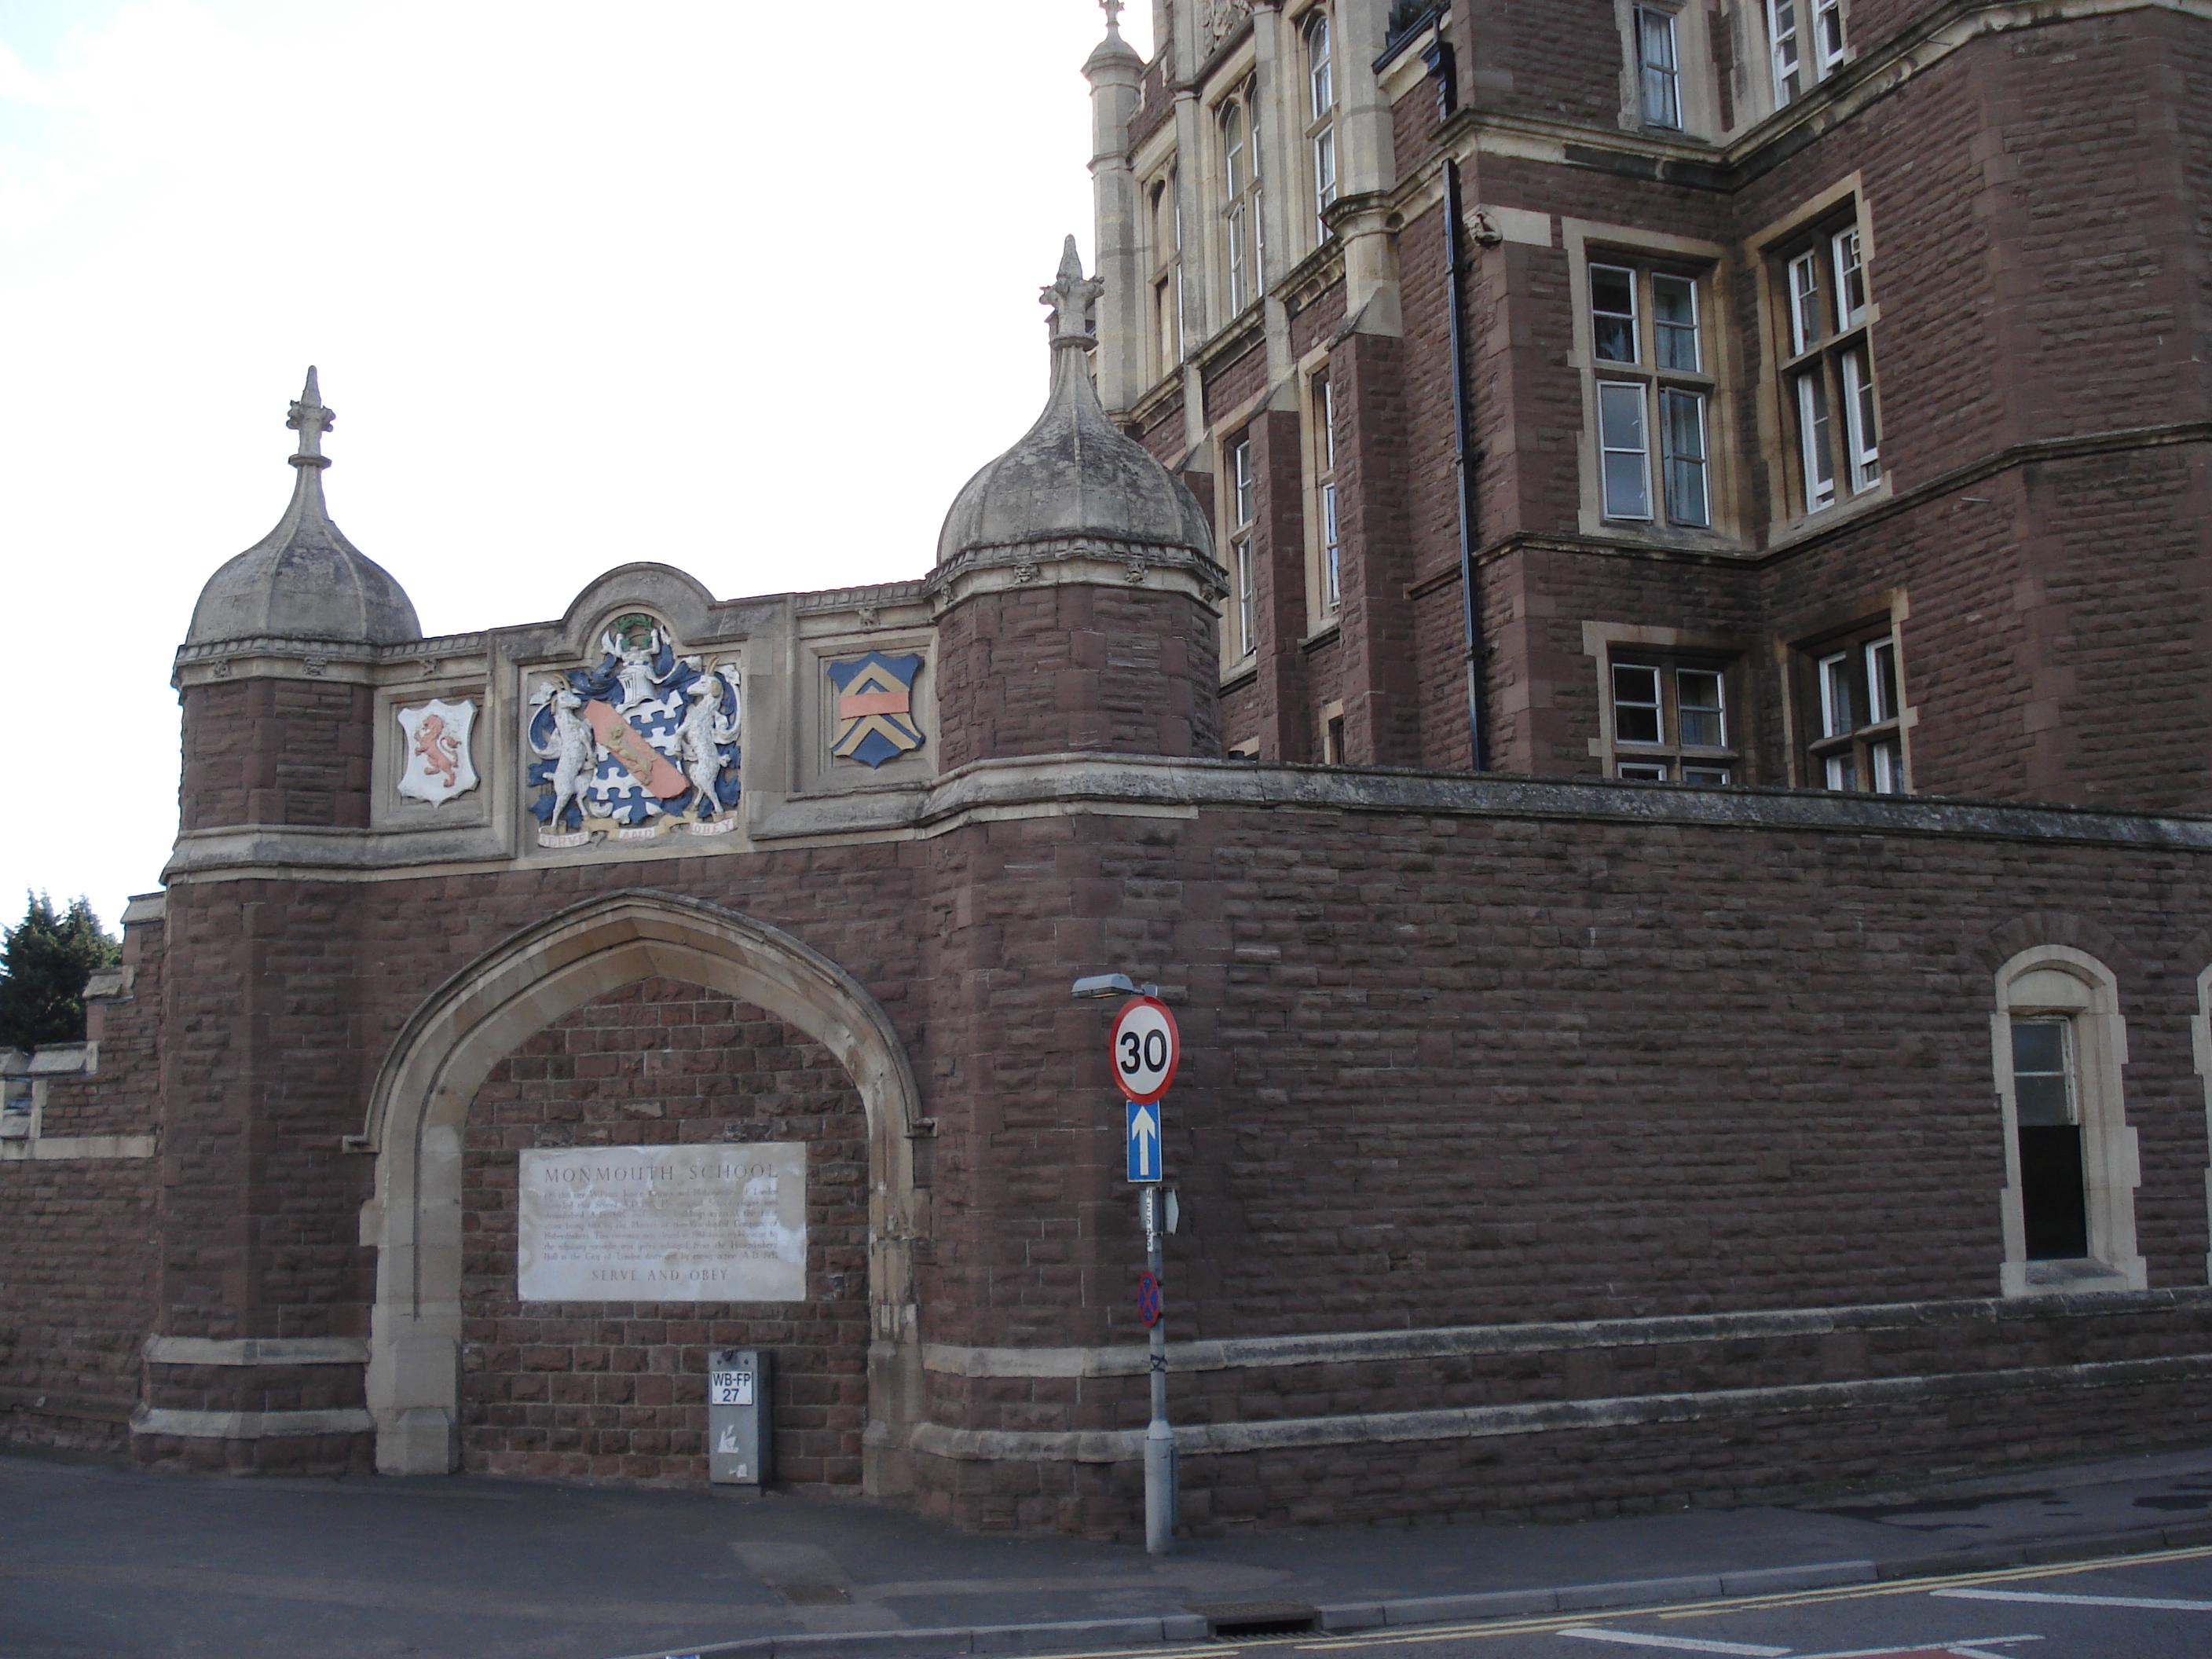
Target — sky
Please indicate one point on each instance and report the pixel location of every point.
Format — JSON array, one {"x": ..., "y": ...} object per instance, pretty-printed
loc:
[{"x": 748, "y": 289}]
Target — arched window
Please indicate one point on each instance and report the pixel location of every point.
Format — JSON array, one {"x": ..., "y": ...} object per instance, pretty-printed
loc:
[
  {"x": 1321, "y": 117},
  {"x": 1166, "y": 236},
  {"x": 1246, "y": 250},
  {"x": 2070, "y": 1164}
]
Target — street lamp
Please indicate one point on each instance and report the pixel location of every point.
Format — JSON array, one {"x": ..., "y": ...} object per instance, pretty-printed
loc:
[
  {"x": 1111, "y": 985},
  {"x": 1151, "y": 1211}
]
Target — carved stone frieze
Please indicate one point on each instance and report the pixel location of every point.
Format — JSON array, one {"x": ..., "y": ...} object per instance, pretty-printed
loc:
[{"x": 1217, "y": 17}]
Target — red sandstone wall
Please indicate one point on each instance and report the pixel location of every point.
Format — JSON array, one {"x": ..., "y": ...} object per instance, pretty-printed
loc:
[
  {"x": 600, "y": 1390},
  {"x": 277, "y": 751},
  {"x": 77, "y": 1235},
  {"x": 1042, "y": 669}
]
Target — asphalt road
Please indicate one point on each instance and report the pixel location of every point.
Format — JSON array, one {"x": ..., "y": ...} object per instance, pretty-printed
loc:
[
  {"x": 2143, "y": 1607},
  {"x": 101, "y": 1558}
]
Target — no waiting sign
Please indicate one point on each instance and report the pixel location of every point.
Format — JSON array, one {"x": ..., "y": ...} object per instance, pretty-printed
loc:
[{"x": 1146, "y": 1048}]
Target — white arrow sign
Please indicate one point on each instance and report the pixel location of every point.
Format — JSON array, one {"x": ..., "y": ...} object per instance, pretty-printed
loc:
[{"x": 1144, "y": 1142}]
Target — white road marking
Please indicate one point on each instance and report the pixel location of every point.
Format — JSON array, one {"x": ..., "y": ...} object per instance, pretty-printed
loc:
[
  {"x": 2170, "y": 1605},
  {"x": 1678, "y": 1644},
  {"x": 1964, "y": 1645}
]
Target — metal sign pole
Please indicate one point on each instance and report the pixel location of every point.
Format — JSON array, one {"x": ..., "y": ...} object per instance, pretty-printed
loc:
[
  {"x": 1159, "y": 1438},
  {"x": 1145, "y": 1049}
]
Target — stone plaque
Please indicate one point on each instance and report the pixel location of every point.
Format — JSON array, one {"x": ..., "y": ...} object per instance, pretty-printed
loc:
[{"x": 717, "y": 1222}]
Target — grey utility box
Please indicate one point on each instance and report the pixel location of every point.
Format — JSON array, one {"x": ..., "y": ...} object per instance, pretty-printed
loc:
[{"x": 740, "y": 1448}]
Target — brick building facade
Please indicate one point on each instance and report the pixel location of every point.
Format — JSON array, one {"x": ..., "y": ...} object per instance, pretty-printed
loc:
[{"x": 1784, "y": 1063}]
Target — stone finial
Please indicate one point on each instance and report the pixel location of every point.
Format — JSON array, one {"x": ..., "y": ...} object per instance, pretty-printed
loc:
[
  {"x": 1074, "y": 298},
  {"x": 1113, "y": 10},
  {"x": 311, "y": 417}
]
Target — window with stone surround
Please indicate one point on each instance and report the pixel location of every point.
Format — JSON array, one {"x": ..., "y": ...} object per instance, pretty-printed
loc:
[
  {"x": 1827, "y": 364},
  {"x": 1658, "y": 67},
  {"x": 1243, "y": 246},
  {"x": 2058, "y": 1043},
  {"x": 1850, "y": 711},
  {"x": 1163, "y": 234},
  {"x": 1669, "y": 717},
  {"x": 1652, "y": 385},
  {"x": 1320, "y": 113},
  {"x": 1805, "y": 44},
  {"x": 1243, "y": 510},
  {"x": 1328, "y": 534},
  {"x": 1332, "y": 733}
]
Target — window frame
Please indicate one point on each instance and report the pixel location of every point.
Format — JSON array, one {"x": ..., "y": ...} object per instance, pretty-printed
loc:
[
  {"x": 1163, "y": 231},
  {"x": 1321, "y": 405},
  {"x": 1244, "y": 515},
  {"x": 1648, "y": 375},
  {"x": 1806, "y": 42},
  {"x": 1670, "y": 758},
  {"x": 2058, "y": 984},
  {"x": 1850, "y": 688},
  {"x": 1322, "y": 101},
  {"x": 1244, "y": 251},
  {"x": 1829, "y": 380},
  {"x": 1669, "y": 75}
]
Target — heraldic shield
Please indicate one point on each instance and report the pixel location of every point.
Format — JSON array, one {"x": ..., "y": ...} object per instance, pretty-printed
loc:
[
  {"x": 645, "y": 736},
  {"x": 435, "y": 764},
  {"x": 875, "y": 719}
]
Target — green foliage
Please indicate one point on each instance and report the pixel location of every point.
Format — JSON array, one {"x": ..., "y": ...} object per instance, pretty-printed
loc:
[{"x": 43, "y": 968}]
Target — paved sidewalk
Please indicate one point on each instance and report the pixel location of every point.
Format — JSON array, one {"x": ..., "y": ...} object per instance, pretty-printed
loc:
[{"x": 101, "y": 1559}]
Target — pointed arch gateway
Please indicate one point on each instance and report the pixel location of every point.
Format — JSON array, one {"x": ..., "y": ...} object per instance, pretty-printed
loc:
[{"x": 419, "y": 1106}]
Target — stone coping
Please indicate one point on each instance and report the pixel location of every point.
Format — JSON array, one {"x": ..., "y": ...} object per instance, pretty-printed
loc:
[
  {"x": 1155, "y": 786},
  {"x": 1549, "y": 1416},
  {"x": 1345, "y": 1347},
  {"x": 257, "y": 1351}
]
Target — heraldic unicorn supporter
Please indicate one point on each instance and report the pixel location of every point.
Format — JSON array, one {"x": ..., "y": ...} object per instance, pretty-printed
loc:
[{"x": 644, "y": 740}]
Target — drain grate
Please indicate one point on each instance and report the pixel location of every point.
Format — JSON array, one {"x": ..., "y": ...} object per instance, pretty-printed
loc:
[{"x": 1233, "y": 1619}]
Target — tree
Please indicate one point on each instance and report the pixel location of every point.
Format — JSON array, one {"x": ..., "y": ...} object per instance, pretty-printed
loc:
[{"x": 43, "y": 968}]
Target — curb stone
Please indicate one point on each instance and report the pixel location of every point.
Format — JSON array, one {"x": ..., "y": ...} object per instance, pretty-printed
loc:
[{"x": 1077, "y": 1635}]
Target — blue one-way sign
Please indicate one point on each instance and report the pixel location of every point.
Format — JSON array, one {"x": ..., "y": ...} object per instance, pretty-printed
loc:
[{"x": 1144, "y": 1141}]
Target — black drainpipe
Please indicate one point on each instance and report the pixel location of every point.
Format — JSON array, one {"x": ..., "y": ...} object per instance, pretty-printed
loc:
[
  {"x": 1463, "y": 460},
  {"x": 1443, "y": 67}
]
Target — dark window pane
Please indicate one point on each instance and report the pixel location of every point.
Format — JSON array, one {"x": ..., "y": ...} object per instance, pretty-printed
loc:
[
  {"x": 2041, "y": 1099},
  {"x": 1698, "y": 692},
  {"x": 2039, "y": 1045},
  {"x": 1612, "y": 321},
  {"x": 1635, "y": 703},
  {"x": 1674, "y": 310},
  {"x": 2050, "y": 1197}
]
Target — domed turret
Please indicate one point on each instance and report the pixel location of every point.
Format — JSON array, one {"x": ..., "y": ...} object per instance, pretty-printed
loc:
[
  {"x": 1073, "y": 474},
  {"x": 304, "y": 579},
  {"x": 1075, "y": 584}
]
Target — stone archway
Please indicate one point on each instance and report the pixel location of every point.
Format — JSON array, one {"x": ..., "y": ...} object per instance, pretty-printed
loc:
[{"x": 419, "y": 1106}]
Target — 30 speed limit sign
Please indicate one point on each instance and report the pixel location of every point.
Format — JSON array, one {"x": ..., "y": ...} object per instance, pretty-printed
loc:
[{"x": 1146, "y": 1048}]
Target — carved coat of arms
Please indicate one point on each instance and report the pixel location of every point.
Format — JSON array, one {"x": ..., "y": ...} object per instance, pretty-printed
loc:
[
  {"x": 874, "y": 718},
  {"x": 435, "y": 764},
  {"x": 1220, "y": 17},
  {"x": 644, "y": 740}
]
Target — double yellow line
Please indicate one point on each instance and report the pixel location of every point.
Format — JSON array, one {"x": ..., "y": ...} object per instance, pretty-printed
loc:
[
  {"x": 1735, "y": 1604},
  {"x": 1408, "y": 1635}
]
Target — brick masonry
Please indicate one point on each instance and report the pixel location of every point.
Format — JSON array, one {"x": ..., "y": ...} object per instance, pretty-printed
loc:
[{"x": 605, "y": 1390}]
